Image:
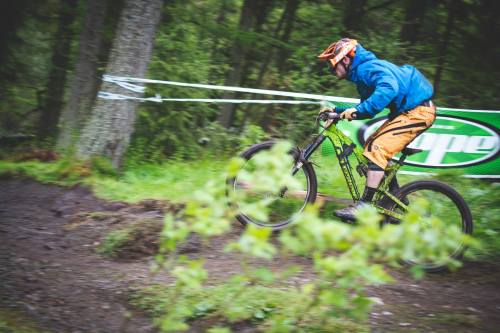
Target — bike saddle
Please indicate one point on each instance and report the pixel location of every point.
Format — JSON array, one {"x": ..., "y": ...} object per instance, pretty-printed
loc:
[{"x": 410, "y": 151}]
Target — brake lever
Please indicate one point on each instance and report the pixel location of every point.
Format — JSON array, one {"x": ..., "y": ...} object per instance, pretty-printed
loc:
[{"x": 328, "y": 117}]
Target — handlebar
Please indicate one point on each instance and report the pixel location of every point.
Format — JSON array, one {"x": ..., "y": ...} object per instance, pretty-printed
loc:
[
  {"x": 329, "y": 116},
  {"x": 334, "y": 117}
]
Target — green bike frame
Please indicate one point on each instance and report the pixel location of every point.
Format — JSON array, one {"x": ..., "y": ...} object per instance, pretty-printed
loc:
[{"x": 345, "y": 147}]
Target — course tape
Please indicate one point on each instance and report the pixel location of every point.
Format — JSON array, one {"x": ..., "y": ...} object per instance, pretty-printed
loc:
[
  {"x": 127, "y": 83},
  {"x": 124, "y": 82},
  {"x": 159, "y": 99}
]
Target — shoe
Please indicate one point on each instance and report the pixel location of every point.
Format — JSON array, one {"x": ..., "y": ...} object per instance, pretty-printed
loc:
[{"x": 348, "y": 212}]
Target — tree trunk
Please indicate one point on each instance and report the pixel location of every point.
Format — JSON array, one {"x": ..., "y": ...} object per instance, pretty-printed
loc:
[
  {"x": 85, "y": 81},
  {"x": 443, "y": 50},
  {"x": 237, "y": 61},
  {"x": 260, "y": 12},
  {"x": 57, "y": 77},
  {"x": 414, "y": 17},
  {"x": 110, "y": 126},
  {"x": 269, "y": 58},
  {"x": 12, "y": 15},
  {"x": 220, "y": 21},
  {"x": 284, "y": 53},
  {"x": 251, "y": 56},
  {"x": 353, "y": 14},
  {"x": 281, "y": 57},
  {"x": 266, "y": 62}
]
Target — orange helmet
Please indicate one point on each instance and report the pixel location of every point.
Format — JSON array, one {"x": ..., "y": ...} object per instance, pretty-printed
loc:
[{"x": 338, "y": 50}]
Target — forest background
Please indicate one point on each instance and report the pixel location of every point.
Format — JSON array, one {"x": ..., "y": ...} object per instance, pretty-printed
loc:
[{"x": 53, "y": 54}]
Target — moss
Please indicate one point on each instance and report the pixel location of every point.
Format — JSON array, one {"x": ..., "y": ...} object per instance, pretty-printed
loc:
[{"x": 16, "y": 322}]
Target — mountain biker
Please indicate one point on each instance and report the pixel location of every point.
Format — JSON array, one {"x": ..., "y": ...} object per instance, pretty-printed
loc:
[{"x": 403, "y": 90}]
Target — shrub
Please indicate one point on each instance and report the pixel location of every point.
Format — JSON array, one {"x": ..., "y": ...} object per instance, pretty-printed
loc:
[{"x": 346, "y": 259}]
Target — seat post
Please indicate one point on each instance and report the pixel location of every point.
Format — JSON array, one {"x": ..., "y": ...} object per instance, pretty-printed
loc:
[
  {"x": 402, "y": 158},
  {"x": 407, "y": 152}
]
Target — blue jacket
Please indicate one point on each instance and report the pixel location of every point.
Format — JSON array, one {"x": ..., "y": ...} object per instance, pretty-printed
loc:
[{"x": 382, "y": 84}]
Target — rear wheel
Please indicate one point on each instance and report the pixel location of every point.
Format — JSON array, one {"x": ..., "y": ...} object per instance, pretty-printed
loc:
[
  {"x": 285, "y": 204},
  {"x": 442, "y": 202}
]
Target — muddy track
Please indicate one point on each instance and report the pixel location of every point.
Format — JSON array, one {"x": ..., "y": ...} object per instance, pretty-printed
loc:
[{"x": 51, "y": 273}]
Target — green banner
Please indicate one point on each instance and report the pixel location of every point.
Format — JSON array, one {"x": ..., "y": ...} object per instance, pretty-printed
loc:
[{"x": 468, "y": 140}]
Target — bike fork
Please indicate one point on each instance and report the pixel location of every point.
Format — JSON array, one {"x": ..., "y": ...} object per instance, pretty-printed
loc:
[{"x": 307, "y": 152}]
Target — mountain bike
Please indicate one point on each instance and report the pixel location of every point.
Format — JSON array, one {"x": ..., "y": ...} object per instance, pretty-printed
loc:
[{"x": 390, "y": 200}]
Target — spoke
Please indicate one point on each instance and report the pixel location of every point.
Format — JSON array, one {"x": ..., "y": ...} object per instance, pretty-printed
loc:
[
  {"x": 283, "y": 204},
  {"x": 436, "y": 205}
]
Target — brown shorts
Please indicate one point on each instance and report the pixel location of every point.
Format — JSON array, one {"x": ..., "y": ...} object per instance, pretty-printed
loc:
[{"x": 394, "y": 135}]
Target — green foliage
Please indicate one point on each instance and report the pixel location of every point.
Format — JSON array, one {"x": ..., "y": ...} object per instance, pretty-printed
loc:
[
  {"x": 24, "y": 73},
  {"x": 237, "y": 302},
  {"x": 346, "y": 260},
  {"x": 212, "y": 140}
]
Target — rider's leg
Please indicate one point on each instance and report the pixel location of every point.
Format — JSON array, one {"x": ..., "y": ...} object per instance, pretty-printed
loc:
[
  {"x": 373, "y": 179},
  {"x": 388, "y": 140}
]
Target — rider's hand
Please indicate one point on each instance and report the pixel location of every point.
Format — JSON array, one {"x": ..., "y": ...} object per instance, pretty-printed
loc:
[{"x": 349, "y": 114}]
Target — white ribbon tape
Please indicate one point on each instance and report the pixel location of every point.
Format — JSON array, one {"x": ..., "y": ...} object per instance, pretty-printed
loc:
[
  {"x": 157, "y": 98},
  {"x": 127, "y": 83},
  {"x": 120, "y": 80}
]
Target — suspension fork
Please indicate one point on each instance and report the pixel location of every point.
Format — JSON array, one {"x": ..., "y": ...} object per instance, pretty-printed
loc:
[
  {"x": 302, "y": 158},
  {"x": 307, "y": 152}
]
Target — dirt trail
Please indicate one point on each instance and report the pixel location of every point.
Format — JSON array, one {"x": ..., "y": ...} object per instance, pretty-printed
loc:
[
  {"x": 50, "y": 272},
  {"x": 53, "y": 274}
]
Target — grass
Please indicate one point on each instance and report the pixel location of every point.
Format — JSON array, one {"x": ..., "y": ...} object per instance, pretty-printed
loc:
[
  {"x": 141, "y": 236},
  {"x": 173, "y": 181},
  {"x": 16, "y": 322},
  {"x": 114, "y": 241}
]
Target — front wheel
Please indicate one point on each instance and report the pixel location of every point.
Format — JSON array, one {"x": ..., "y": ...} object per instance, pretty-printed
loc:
[
  {"x": 285, "y": 204},
  {"x": 440, "y": 201}
]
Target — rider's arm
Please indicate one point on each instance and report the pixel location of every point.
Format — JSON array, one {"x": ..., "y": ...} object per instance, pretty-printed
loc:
[
  {"x": 385, "y": 90},
  {"x": 339, "y": 109}
]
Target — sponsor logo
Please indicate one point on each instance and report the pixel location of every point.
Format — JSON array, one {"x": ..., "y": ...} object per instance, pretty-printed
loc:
[{"x": 450, "y": 142}]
